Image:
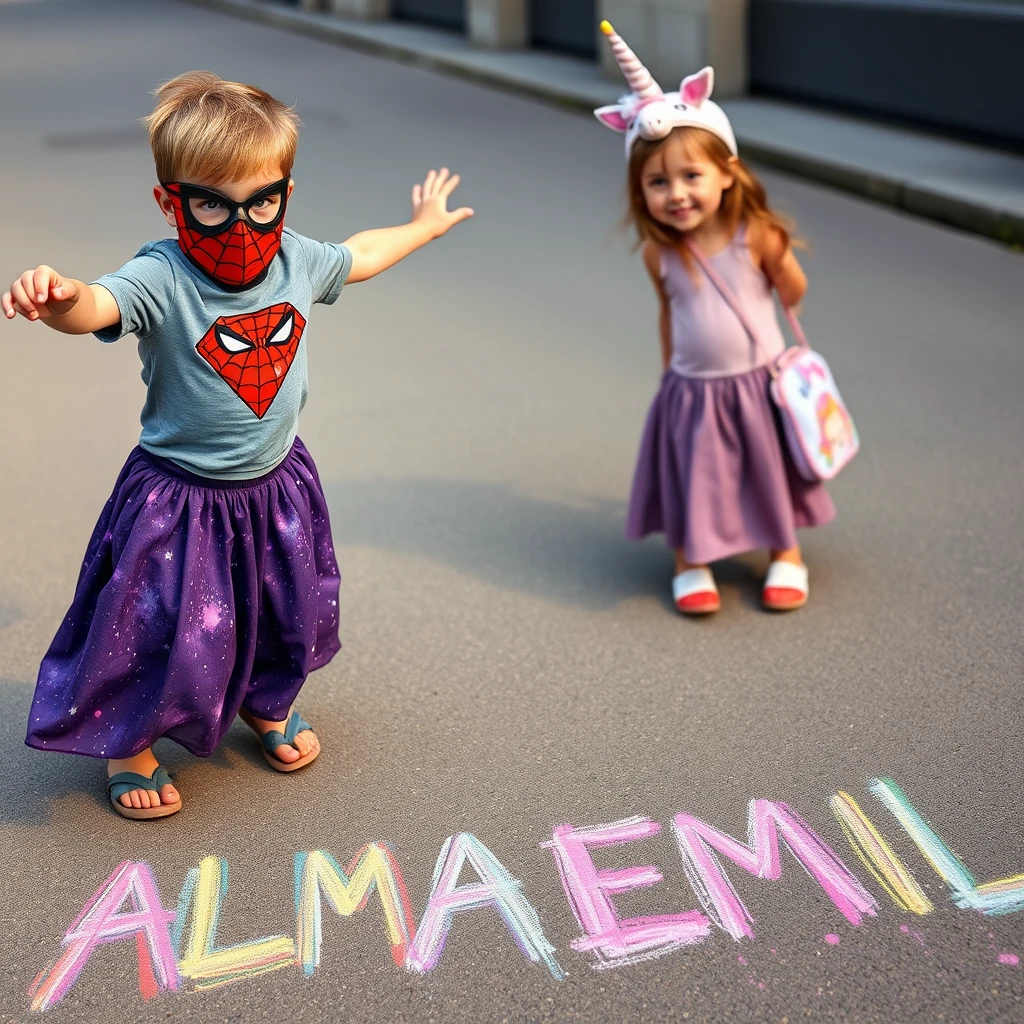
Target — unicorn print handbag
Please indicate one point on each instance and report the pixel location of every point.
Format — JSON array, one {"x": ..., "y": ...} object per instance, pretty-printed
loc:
[{"x": 819, "y": 430}]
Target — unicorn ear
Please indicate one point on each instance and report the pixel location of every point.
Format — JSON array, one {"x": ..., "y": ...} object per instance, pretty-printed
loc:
[
  {"x": 612, "y": 117},
  {"x": 697, "y": 88}
]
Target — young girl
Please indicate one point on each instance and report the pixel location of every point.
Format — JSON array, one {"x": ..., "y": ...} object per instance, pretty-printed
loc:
[
  {"x": 209, "y": 588},
  {"x": 714, "y": 472}
]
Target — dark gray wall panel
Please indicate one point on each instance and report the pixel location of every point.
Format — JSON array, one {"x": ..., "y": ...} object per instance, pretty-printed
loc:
[
  {"x": 566, "y": 25},
  {"x": 448, "y": 13},
  {"x": 947, "y": 64}
]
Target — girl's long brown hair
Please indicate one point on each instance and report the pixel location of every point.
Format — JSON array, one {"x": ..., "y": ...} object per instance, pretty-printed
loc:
[{"x": 745, "y": 200}]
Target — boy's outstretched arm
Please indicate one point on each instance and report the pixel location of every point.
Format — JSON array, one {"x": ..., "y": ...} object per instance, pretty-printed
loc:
[
  {"x": 62, "y": 303},
  {"x": 374, "y": 251}
]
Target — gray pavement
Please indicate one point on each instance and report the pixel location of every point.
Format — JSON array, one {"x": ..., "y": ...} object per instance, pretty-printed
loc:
[
  {"x": 972, "y": 187},
  {"x": 510, "y": 662}
]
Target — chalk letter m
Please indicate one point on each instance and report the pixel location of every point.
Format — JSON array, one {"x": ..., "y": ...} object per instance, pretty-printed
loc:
[
  {"x": 767, "y": 821},
  {"x": 373, "y": 868}
]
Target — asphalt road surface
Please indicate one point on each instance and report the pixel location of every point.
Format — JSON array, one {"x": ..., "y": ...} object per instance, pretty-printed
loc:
[{"x": 511, "y": 663}]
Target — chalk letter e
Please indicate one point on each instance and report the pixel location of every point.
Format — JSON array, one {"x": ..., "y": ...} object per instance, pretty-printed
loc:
[{"x": 617, "y": 942}]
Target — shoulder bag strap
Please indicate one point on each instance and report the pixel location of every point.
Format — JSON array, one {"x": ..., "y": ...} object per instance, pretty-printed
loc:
[{"x": 727, "y": 293}]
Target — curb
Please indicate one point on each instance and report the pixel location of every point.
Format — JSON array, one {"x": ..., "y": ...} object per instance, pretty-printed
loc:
[{"x": 975, "y": 218}]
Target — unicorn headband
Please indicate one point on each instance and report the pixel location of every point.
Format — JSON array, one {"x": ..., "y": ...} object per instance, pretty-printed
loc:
[{"x": 649, "y": 113}]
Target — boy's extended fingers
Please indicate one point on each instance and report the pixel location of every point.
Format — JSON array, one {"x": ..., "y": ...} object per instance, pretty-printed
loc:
[
  {"x": 428, "y": 184},
  {"x": 22, "y": 299},
  {"x": 442, "y": 177},
  {"x": 42, "y": 280},
  {"x": 417, "y": 194},
  {"x": 450, "y": 185}
]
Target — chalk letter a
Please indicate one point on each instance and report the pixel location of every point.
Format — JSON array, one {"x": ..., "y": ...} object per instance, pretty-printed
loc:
[
  {"x": 497, "y": 889},
  {"x": 100, "y": 922}
]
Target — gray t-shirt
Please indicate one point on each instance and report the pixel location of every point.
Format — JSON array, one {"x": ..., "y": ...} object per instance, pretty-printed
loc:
[{"x": 225, "y": 371}]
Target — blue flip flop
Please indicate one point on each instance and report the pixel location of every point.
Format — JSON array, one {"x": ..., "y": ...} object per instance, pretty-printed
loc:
[
  {"x": 274, "y": 738},
  {"x": 125, "y": 782}
]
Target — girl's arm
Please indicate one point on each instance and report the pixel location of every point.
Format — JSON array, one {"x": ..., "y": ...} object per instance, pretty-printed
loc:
[
  {"x": 374, "y": 251},
  {"x": 66, "y": 305},
  {"x": 779, "y": 264},
  {"x": 652, "y": 261}
]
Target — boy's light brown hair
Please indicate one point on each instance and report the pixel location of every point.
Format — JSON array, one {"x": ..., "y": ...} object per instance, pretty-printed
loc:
[{"x": 205, "y": 129}]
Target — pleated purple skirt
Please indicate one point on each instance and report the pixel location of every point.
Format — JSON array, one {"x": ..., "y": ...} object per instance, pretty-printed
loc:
[
  {"x": 196, "y": 597},
  {"x": 714, "y": 473}
]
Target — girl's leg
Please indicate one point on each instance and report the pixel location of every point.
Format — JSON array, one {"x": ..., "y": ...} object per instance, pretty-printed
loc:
[
  {"x": 785, "y": 588},
  {"x": 143, "y": 764},
  {"x": 682, "y": 564},
  {"x": 695, "y": 594},
  {"x": 787, "y": 555}
]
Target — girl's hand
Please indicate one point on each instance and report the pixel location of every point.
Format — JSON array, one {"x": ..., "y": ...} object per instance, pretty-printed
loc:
[
  {"x": 40, "y": 294},
  {"x": 430, "y": 203}
]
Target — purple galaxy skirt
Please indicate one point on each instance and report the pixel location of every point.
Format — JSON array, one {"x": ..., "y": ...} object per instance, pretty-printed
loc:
[
  {"x": 196, "y": 597},
  {"x": 714, "y": 473}
]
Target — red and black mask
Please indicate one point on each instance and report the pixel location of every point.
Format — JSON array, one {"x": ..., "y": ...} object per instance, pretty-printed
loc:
[{"x": 232, "y": 242}]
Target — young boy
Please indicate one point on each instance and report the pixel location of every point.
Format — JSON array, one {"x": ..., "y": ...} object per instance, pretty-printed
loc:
[{"x": 209, "y": 587}]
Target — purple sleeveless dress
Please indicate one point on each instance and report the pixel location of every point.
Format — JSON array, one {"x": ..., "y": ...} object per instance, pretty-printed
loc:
[{"x": 714, "y": 473}]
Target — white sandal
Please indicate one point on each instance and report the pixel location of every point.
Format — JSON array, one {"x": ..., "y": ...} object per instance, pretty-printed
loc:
[
  {"x": 694, "y": 592},
  {"x": 785, "y": 587}
]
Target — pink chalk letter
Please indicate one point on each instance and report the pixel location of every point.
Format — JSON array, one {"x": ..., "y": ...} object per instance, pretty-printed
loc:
[
  {"x": 767, "y": 821},
  {"x": 616, "y": 942},
  {"x": 100, "y": 922}
]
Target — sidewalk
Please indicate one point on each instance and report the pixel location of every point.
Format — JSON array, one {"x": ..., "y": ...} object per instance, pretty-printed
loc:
[{"x": 970, "y": 187}]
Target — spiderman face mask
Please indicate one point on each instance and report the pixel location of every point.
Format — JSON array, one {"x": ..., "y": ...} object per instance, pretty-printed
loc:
[{"x": 232, "y": 242}]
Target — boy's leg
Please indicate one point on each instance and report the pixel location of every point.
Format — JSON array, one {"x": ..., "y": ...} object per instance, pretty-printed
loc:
[
  {"x": 143, "y": 764},
  {"x": 305, "y": 742}
]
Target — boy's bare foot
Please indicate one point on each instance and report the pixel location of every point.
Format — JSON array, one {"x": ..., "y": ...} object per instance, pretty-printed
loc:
[
  {"x": 142, "y": 764},
  {"x": 305, "y": 742}
]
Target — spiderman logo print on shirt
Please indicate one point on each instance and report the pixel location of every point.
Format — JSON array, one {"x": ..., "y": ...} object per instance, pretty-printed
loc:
[{"x": 253, "y": 353}]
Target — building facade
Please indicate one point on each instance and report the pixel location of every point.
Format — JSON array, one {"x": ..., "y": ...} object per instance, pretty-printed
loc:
[{"x": 949, "y": 65}]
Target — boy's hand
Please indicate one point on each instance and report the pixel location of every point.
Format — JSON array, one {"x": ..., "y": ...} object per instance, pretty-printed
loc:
[
  {"x": 39, "y": 294},
  {"x": 430, "y": 203}
]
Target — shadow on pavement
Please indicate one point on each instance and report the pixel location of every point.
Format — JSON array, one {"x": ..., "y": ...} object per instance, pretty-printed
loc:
[{"x": 571, "y": 552}]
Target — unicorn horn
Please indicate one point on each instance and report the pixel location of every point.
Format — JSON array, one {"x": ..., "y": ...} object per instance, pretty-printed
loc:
[{"x": 638, "y": 77}]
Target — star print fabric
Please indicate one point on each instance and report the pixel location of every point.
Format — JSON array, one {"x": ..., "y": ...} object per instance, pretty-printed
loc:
[{"x": 193, "y": 601}]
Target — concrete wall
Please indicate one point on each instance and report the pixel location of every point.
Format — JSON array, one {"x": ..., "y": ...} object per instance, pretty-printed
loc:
[
  {"x": 672, "y": 37},
  {"x": 353, "y": 8},
  {"x": 498, "y": 24}
]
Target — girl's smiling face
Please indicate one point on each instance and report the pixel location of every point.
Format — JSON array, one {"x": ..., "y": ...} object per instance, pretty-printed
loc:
[{"x": 682, "y": 187}]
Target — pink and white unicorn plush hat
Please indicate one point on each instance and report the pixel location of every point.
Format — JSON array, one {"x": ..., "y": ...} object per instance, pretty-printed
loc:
[{"x": 649, "y": 113}]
